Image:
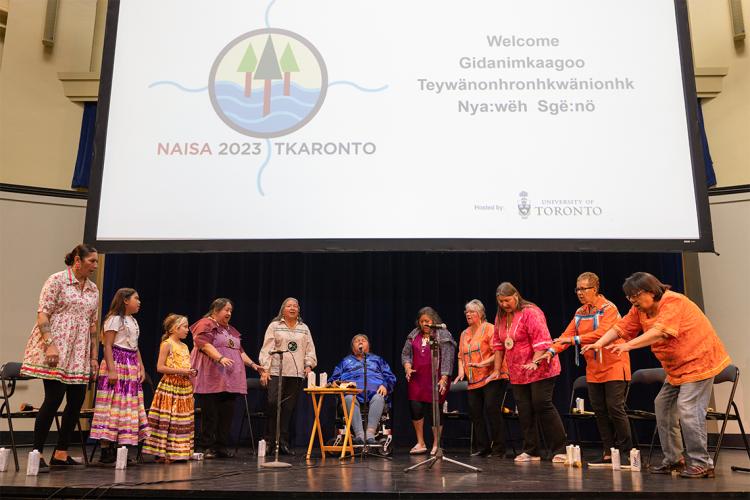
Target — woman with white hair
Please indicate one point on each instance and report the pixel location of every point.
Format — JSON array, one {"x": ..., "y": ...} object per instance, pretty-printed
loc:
[
  {"x": 479, "y": 364},
  {"x": 289, "y": 334}
]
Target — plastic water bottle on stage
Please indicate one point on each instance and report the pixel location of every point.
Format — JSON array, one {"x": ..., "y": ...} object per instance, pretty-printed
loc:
[
  {"x": 323, "y": 379},
  {"x": 579, "y": 405},
  {"x": 262, "y": 448},
  {"x": 122, "y": 458},
  {"x": 32, "y": 467},
  {"x": 635, "y": 460},
  {"x": 4, "y": 456},
  {"x": 311, "y": 379},
  {"x": 616, "y": 465}
]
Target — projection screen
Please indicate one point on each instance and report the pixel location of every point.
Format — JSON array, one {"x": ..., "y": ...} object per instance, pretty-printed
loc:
[{"x": 314, "y": 125}]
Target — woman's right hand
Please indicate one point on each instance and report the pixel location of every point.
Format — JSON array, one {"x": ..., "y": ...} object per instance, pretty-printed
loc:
[
  {"x": 225, "y": 362},
  {"x": 264, "y": 378},
  {"x": 460, "y": 377},
  {"x": 409, "y": 371},
  {"x": 51, "y": 355},
  {"x": 596, "y": 346},
  {"x": 112, "y": 377}
]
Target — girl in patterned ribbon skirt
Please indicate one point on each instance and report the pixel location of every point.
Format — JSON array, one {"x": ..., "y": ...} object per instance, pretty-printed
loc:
[
  {"x": 119, "y": 415},
  {"x": 171, "y": 414}
]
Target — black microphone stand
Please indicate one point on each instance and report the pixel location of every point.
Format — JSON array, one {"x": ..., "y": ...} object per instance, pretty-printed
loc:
[
  {"x": 439, "y": 456},
  {"x": 276, "y": 464}
]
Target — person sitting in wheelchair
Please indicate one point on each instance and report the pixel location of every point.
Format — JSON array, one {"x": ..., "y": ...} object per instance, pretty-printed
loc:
[{"x": 380, "y": 383}]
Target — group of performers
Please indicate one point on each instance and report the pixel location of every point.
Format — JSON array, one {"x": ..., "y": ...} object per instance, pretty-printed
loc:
[{"x": 517, "y": 350}]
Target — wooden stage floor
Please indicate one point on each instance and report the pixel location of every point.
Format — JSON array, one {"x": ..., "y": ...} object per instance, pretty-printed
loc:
[{"x": 242, "y": 477}]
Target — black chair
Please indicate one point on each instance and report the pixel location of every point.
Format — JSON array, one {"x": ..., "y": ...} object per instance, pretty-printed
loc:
[
  {"x": 644, "y": 384},
  {"x": 253, "y": 385},
  {"x": 10, "y": 375},
  {"x": 580, "y": 387},
  {"x": 457, "y": 388},
  {"x": 729, "y": 374}
]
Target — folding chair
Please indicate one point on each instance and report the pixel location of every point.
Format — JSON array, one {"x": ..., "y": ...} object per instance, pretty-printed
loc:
[
  {"x": 649, "y": 381},
  {"x": 458, "y": 387},
  {"x": 10, "y": 374},
  {"x": 580, "y": 386},
  {"x": 729, "y": 374},
  {"x": 253, "y": 386}
]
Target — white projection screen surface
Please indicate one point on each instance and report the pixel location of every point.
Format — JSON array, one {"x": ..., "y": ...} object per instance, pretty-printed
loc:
[{"x": 314, "y": 125}]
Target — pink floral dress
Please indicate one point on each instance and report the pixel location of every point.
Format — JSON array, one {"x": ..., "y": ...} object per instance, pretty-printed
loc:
[{"x": 71, "y": 313}]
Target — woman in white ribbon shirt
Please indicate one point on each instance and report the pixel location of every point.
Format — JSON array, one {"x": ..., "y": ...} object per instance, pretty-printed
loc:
[{"x": 286, "y": 332}]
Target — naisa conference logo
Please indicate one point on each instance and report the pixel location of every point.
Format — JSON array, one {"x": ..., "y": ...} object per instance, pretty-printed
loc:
[
  {"x": 268, "y": 83},
  {"x": 557, "y": 207}
]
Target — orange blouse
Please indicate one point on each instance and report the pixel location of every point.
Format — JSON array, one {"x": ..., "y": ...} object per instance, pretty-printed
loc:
[
  {"x": 692, "y": 351},
  {"x": 590, "y": 323},
  {"x": 475, "y": 349}
]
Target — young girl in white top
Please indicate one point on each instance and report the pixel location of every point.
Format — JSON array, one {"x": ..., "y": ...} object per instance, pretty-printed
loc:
[{"x": 119, "y": 414}]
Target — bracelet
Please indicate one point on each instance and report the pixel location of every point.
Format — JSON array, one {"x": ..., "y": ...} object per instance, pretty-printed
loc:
[
  {"x": 220, "y": 358},
  {"x": 551, "y": 350}
]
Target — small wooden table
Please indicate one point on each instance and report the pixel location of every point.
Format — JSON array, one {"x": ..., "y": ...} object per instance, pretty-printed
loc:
[{"x": 317, "y": 394}]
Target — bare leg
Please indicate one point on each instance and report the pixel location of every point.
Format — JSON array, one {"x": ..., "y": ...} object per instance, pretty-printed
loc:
[{"x": 419, "y": 431}]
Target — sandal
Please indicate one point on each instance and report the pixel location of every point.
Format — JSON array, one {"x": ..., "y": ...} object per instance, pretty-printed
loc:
[
  {"x": 418, "y": 450},
  {"x": 560, "y": 458}
]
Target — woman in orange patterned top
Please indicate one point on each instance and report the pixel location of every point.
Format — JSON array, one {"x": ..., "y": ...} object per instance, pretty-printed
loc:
[
  {"x": 607, "y": 374},
  {"x": 683, "y": 340},
  {"x": 476, "y": 364}
]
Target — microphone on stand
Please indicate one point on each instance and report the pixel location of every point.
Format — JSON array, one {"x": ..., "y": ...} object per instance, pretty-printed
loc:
[{"x": 439, "y": 326}]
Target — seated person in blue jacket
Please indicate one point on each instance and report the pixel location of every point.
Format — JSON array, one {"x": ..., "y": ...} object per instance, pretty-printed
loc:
[{"x": 380, "y": 383}]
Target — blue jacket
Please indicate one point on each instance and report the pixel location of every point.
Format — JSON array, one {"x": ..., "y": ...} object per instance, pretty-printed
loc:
[{"x": 351, "y": 369}]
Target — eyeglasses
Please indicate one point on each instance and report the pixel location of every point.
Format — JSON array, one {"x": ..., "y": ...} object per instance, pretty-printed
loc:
[
  {"x": 634, "y": 297},
  {"x": 584, "y": 288}
]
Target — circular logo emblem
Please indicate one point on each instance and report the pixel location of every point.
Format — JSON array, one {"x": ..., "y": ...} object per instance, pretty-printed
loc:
[
  {"x": 230, "y": 343},
  {"x": 268, "y": 83},
  {"x": 292, "y": 346}
]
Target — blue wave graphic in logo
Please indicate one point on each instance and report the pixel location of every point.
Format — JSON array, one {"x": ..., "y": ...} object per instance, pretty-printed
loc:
[{"x": 247, "y": 112}]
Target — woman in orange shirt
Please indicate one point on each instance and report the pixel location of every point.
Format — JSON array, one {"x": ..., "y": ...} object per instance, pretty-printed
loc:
[
  {"x": 607, "y": 374},
  {"x": 476, "y": 364},
  {"x": 683, "y": 340}
]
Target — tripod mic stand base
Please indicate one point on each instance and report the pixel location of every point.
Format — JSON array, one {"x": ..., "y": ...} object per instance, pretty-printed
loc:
[
  {"x": 440, "y": 457},
  {"x": 275, "y": 464}
]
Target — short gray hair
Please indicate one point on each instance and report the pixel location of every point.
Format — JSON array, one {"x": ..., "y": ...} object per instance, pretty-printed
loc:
[{"x": 478, "y": 306}]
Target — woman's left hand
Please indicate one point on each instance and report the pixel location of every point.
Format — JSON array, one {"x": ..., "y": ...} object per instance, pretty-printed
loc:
[
  {"x": 94, "y": 369},
  {"x": 530, "y": 366},
  {"x": 142, "y": 376},
  {"x": 443, "y": 386}
]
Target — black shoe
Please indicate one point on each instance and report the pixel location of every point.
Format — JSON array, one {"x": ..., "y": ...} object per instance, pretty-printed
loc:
[
  {"x": 285, "y": 450},
  {"x": 107, "y": 455},
  {"x": 497, "y": 454},
  {"x": 482, "y": 453},
  {"x": 54, "y": 462},
  {"x": 209, "y": 454},
  {"x": 224, "y": 453},
  {"x": 43, "y": 467},
  {"x": 359, "y": 441}
]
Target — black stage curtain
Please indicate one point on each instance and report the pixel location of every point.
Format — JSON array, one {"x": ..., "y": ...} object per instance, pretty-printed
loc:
[{"x": 376, "y": 293}]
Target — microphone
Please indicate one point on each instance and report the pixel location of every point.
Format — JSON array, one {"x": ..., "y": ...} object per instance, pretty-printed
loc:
[
  {"x": 278, "y": 351},
  {"x": 439, "y": 326}
]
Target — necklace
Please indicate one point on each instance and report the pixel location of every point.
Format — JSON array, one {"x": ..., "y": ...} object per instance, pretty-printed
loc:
[{"x": 510, "y": 339}]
